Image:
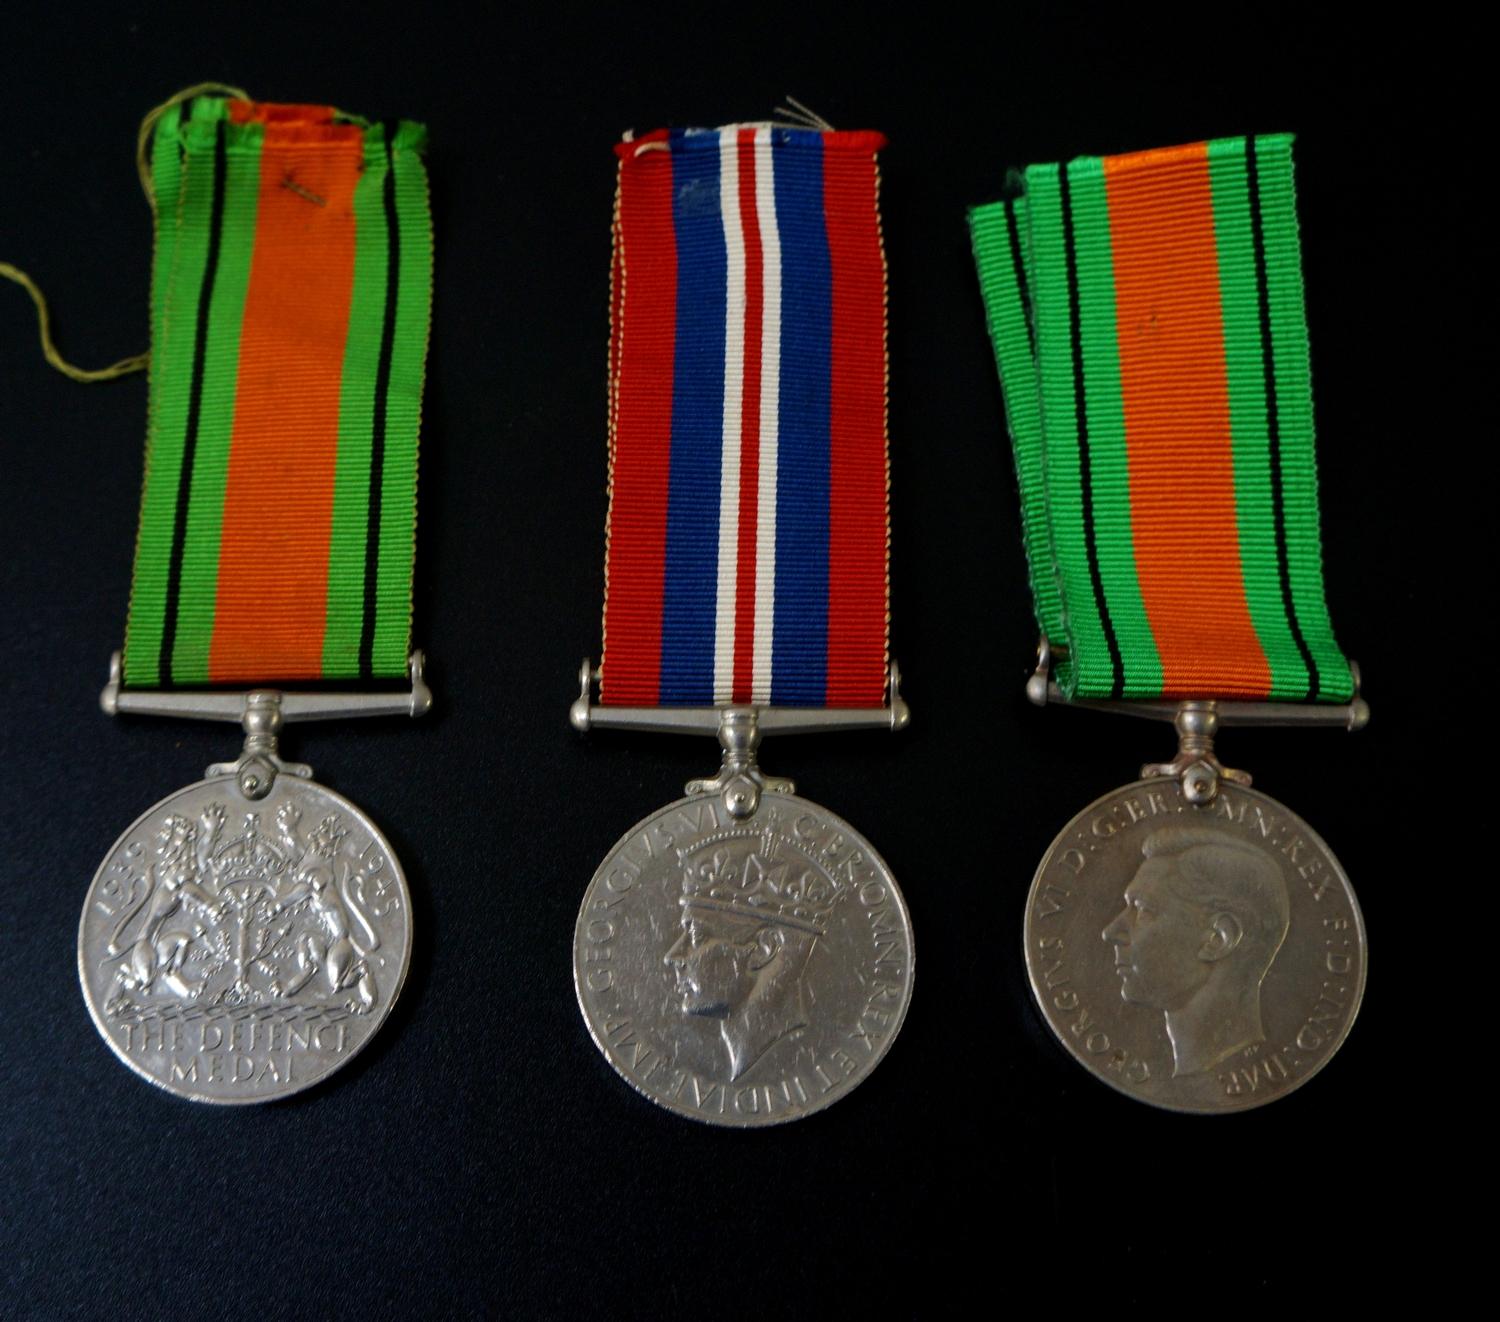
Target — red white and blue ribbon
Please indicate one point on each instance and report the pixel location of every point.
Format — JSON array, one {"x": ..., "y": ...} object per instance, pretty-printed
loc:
[{"x": 748, "y": 521}]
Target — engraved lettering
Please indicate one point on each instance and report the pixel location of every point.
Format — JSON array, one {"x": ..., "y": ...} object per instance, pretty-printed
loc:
[
  {"x": 702, "y": 1098},
  {"x": 699, "y": 817},
  {"x": 1317, "y": 884},
  {"x": 1049, "y": 900},
  {"x": 805, "y": 827},
  {"x": 619, "y": 881},
  {"x": 1249, "y": 1079},
  {"x": 1050, "y": 975}
]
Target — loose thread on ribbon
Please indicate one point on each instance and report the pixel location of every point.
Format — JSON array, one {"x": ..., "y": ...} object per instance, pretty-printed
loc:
[{"x": 140, "y": 361}]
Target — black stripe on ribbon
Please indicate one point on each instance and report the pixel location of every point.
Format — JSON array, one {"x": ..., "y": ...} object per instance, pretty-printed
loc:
[
  {"x": 194, "y": 412},
  {"x": 1018, "y": 268},
  {"x": 1080, "y": 411},
  {"x": 1273, "y": 421}
]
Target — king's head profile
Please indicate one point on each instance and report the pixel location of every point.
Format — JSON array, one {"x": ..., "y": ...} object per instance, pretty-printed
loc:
[
  {"x": 1203, "y": 918},
  {"x": 752, "y": 911}
]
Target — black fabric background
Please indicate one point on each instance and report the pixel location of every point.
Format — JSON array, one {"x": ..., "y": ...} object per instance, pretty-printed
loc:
[{"x": 480, "y": 1157}]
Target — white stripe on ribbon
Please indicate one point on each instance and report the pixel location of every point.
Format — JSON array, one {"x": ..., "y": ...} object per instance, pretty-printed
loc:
[
  {"x": 770, "y": 398},
  {"x": 734, "y": 387}
]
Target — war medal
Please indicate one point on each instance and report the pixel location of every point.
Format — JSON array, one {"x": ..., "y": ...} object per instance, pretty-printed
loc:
[
  {"x": 1190, "y": 941},
  {"x": 743, "y": 956},
  {"x": 248, "y": 934}
]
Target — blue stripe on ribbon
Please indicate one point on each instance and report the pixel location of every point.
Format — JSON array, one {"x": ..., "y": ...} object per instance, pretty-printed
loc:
[
  {"x": 799, "y": 658},
  {"x": 692, "y": 553}
]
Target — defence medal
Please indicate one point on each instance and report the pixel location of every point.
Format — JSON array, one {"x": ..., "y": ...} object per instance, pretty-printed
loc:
[
  {"x": 1190, "y": 941},
  {"x": 247, "y": 935},
  {"x": 743, "y": 956}
]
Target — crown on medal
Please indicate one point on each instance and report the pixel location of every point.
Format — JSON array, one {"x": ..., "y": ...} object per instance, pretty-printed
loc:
[
  {"x": 250, "y": 855},
  {"x": 797, "y": 896}
]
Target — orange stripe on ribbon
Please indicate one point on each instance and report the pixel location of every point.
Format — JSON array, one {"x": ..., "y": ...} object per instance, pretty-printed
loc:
[
  {"x": 278, "y": 503},
  {"x": 1174, "y": 389}
]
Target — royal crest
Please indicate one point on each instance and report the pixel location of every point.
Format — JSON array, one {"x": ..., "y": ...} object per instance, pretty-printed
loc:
[{"x": 214, "y": 916}]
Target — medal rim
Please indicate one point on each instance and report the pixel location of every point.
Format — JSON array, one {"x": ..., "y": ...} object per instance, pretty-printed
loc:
[
  {"x": 717, "y": 1122},
  {"x": 1256, "y": 1102},
  {"x": 95, "y": 1012}
]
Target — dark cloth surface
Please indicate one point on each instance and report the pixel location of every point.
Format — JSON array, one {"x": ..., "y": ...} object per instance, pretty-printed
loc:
[{"x": 481, "y": 1158}]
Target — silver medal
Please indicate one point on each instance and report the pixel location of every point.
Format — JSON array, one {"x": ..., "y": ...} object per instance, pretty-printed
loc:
[
  {"x": 742, "y": 957},
  {"x": 239, "y": 950},
  {"x": 248, "y": 934},
  {"x": 743, "y": 971},
  {"x": 1193, "y": 943}
]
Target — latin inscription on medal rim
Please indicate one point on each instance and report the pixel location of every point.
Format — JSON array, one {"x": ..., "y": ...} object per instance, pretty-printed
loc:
[
  {"x": 1202, "y": 959},
  {"x": 743, "y": 972},
  {"x": 235, "y": 950}
]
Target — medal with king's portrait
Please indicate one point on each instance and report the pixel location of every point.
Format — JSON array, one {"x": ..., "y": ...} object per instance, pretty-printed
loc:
[
  {"x": 1190, "y": 941},
  {"x": 238, "y": 950},
  {"x": 743, "y": 970},
  {"x": 742, "y": 956}
]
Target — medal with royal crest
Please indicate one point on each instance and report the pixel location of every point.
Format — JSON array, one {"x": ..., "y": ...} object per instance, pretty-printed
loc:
[
  {"x": 250, "y": 933},
  {"x": 743, "y": 956}
]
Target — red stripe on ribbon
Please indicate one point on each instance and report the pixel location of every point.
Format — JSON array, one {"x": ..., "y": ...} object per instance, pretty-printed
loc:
[
  {"x": 858, "y": 604},
  {"x": 744, "y": 592},
  {"x": 643, "y": 344}
]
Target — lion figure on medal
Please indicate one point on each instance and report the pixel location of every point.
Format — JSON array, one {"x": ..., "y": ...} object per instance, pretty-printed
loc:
[{"x": 260, "y": 919}]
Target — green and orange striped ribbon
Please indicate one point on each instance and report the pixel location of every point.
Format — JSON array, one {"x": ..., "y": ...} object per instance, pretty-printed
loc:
[
  {"x": 1147, "y": 317},
  {"x": 290, "y": 302}
]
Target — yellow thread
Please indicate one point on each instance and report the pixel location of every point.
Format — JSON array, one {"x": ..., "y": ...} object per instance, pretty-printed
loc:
[
  {"x": 136, "y": 362},
  {"x": 124, "y": 367}
]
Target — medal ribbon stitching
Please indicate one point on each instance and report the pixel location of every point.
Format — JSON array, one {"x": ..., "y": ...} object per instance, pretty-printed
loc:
[
  {"x": 1147, "y": 317},
  {"x": 291, "y": 301},
  {"x": 747, "y": 541}
]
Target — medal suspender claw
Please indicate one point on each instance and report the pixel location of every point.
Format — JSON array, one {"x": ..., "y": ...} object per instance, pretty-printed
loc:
[
  {"x": 1189, "y": 940},
  {"x": 247, "y": 935},
  {"x": 743, "y": 956}
]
